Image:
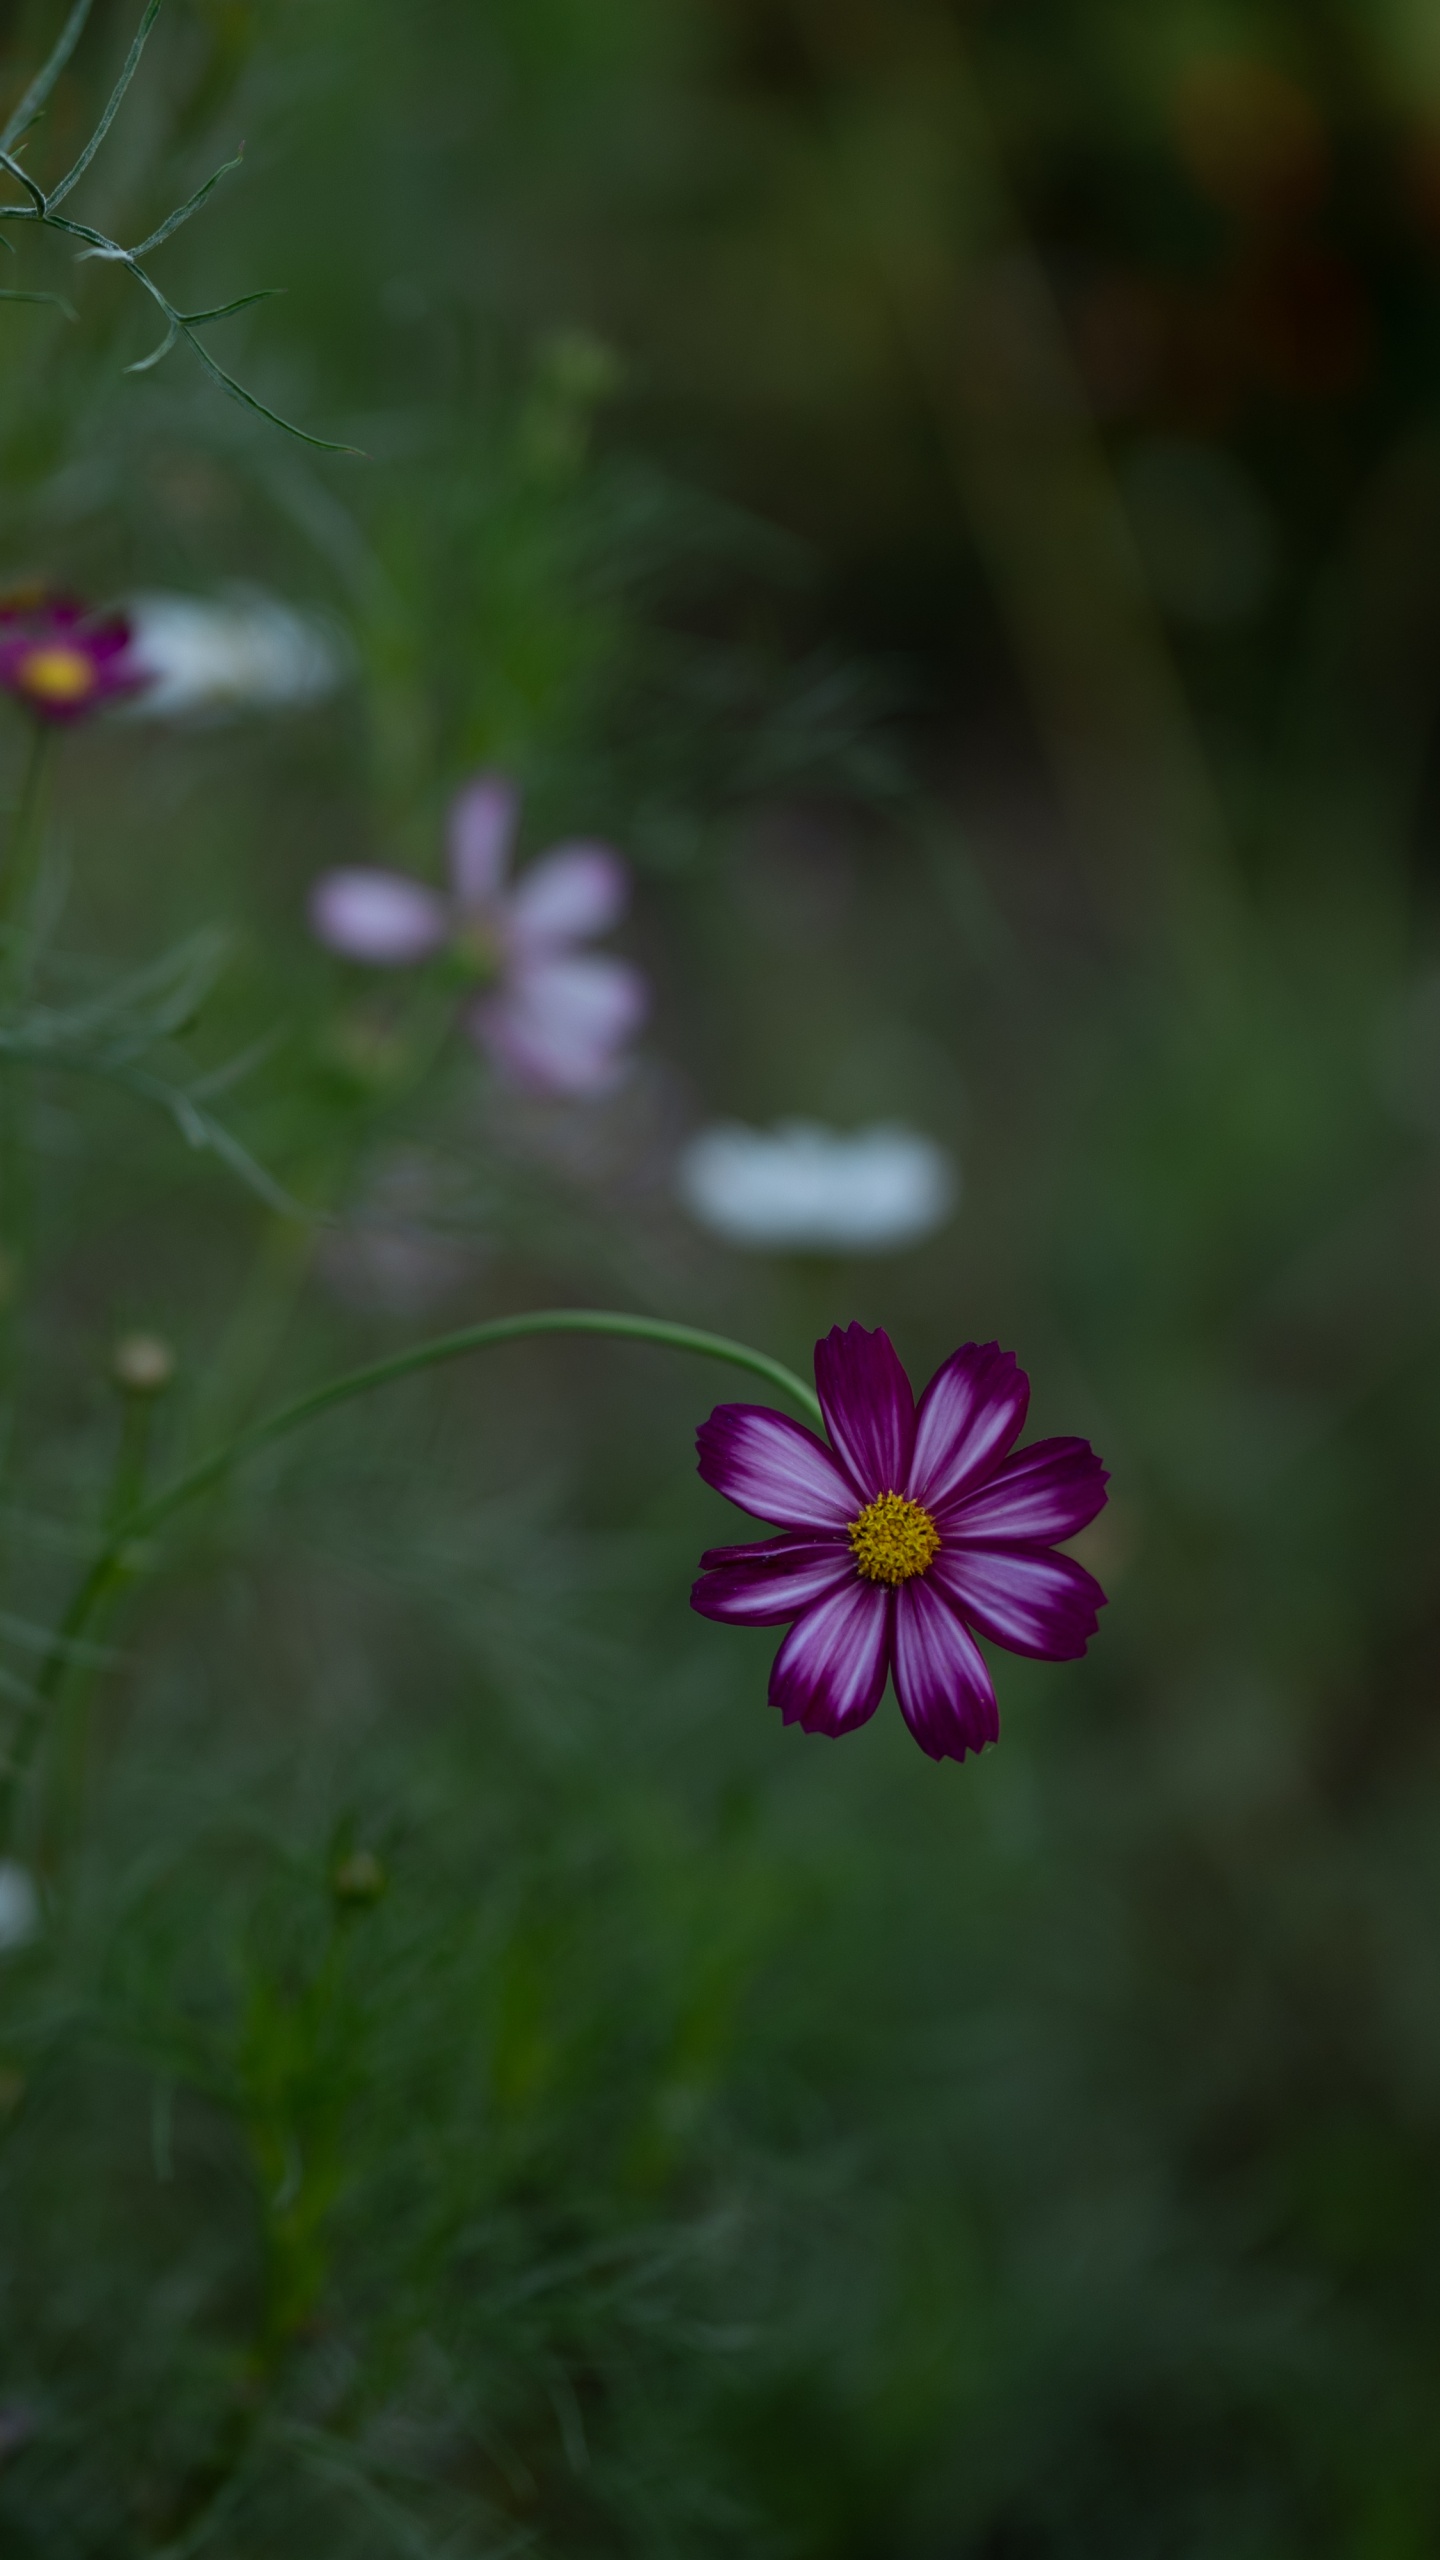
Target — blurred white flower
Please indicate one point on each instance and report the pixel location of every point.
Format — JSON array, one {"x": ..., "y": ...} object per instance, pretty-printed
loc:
[
  {"x": 801, "y": 1188},
  {"x": 239, "y": 651},
  {"x": 19, "y": 1906}
]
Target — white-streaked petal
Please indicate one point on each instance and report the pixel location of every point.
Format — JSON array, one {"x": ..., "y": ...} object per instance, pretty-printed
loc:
[
  {"x": 972, "y": 1411},
  {"x": 561, "y": 1025},
  {"x": 481, "y": 832},
  {"x": 771, "y": 1465},
  {"x": 1030, "y": 1599},
  {"x": 569, "y": 895},
  {"x": 1035, "y": 1497},
  {"x": 942, "y": 1680},
  {"x": 381, "y": 917},
  {"x": 775, "y": 1588},
  {"x": 829, "y": 1674}
]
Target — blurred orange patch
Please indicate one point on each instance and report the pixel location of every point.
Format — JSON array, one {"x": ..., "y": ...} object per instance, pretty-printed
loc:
[{"x": 1251, "y": 138}]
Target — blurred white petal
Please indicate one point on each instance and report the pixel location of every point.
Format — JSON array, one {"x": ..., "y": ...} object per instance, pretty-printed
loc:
[
  {"x": 241, "y": 651},
  {"x": 804, "y": 1188}
]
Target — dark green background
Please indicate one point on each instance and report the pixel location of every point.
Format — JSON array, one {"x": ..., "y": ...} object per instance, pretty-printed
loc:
[{"x": 812, "y": 445}]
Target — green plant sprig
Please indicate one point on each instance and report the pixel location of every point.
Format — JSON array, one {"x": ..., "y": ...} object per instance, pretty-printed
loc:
[
  {"x": 42, "y": 207},
  {"x": 118, "y": 1036},
  {"x": 115, "y": 1562}
]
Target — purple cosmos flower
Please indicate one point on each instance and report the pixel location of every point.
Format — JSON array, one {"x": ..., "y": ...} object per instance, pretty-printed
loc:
[
  {"x": 62, "y": 660},
  {"x": 921, "y": 1527},
  {"x": 552, "y": 1016}
]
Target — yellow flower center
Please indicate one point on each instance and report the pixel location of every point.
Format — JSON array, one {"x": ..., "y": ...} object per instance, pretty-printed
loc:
[
  {"x": 893, "y": 1539},
  {"x": 57, "y": 674}
]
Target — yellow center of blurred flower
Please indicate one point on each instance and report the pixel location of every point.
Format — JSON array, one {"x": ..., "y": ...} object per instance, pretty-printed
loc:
[
  {"x": 893, "y": 1539},
  {"x": 57, "y": 675}
]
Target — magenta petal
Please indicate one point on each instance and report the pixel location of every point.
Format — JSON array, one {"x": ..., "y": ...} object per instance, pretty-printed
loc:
[
  {"x": 378, "y": 916},
  {"x": 774, "y": 1550},
  {"x": 773, "y": 1467},
  {"x": 970, "y": 1414},
  {"x": 945, "y": 1691},
  {"x": 559, "y": 1026},
  {"x": 829, "y": 1674},
  {"x": 482, "y": 826},
  {"x": 763, "y": 1585},
  {"x": 105, "y": 641},
  {"x": 1043, "y": 1493},
  {"x": 868, "y": 1407},
  {"x": 1027, "y": 1598},
  {"x": 570, "y": 894}
]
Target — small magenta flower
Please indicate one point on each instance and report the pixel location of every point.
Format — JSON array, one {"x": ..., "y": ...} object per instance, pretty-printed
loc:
[
  {"x": 61, "y": 659},
  {"x": 919, "y": 1529},
  {"x": 553, "y": 1017}
]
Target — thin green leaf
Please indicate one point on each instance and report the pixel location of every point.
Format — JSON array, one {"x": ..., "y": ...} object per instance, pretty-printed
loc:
[
  {"x": 223, "y": 310},
  {"x": 152, "y": 1005},
  {"x": 207, "y": 1134},
  {"x": 44, "y": 81},
  {"x": 22, "y": 177},
  {"x": 183, "y": 212},
  {"x": 57, "y": 301},
  {"x": 176, "y": 985},
  {"x": 132, "y": 64},
  {"x": 247, "y": 400},
  {"x": 224, "y": 1079},
  {"x": 27, "y": 1637},
  {"x": 56, "y": 1537},
  {"x": 158, "y": 354},
  {"x": 100, "y": 246},
  {"x": 197, "y": 1126},
  {"x": 22, "y": 1691}
]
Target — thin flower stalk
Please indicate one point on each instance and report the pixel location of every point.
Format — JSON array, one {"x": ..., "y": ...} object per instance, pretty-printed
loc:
[
  {"x": 24, "y": 853},
  {"x": 120, "y": 1557}
]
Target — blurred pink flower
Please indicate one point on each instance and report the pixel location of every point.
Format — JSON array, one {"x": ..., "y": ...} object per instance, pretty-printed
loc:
[
  {"x": 553, "y": 1017},
  {"x": 60, "y": 659}
]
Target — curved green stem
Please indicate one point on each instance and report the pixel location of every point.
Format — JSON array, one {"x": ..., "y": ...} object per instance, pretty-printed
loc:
[
  {"x": 115, "y": 1562},
  {"x": 23, "y": 850},
  {"x": 453, "y": 1346}
]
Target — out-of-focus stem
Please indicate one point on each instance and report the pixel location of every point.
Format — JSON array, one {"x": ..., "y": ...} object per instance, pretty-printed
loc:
[
  {"x": 119, "y": 1557},
  {"x": 23, "y": 853},
  {"x": 286, "y": 1254},
  {"x": 22, "y": 850},
  {"x": 985, "y": 339},
  {"x": 143, "y": 1368}
]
